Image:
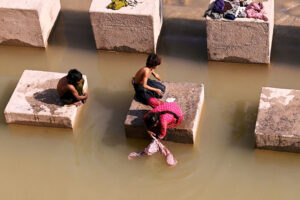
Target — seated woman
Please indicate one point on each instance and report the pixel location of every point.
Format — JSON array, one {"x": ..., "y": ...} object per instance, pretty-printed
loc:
[
  {"x": 70, "y": 88},
  {"x": 164, "y": 115},
  {"x": 144, "y": 87}
]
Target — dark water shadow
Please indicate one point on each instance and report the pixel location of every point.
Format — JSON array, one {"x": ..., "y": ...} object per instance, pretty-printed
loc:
[
  {"x": 184, "y": 39},
  {"x": 8, "y": 91},
  {"x": 243, "y": 124},
  {"x": 118, "y": 102},
  {"x": 286, "y": 45},
  {"x": 49, "y": 96},
  {"x": 73, "y": 29}
]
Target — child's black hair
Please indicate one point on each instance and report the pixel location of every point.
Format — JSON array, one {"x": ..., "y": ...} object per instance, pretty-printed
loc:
[
  {"x": 153, "y": 60},
  {"x": 74, "y": 76}
]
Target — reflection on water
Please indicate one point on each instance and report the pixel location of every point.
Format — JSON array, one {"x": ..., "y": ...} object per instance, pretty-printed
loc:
[{"x": 91, "y": 162}]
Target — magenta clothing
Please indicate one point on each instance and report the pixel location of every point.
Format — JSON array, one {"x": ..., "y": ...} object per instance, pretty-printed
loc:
[
  {"x": 167, "y": 120},
  {"x": 256, "y": 10}
]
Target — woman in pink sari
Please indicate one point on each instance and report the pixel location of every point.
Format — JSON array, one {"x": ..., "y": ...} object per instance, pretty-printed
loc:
[{"x": 157, "y": 121}]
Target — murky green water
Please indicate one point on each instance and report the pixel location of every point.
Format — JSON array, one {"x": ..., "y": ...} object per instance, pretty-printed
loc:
[{"x": 91, "y": 163}]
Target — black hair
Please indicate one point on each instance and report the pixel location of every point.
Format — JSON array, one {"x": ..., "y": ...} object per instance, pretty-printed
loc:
[
  {"x": 153, "y": 60},
  {"x": 152, "y": 118},
  {"x": 74, "y": 76}
]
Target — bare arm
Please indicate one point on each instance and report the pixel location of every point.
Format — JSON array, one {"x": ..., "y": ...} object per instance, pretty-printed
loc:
[
  {"x": 156, "y": 75},
  {"x": 75, "y": 93},
  {"x": 144, "y": 83}
]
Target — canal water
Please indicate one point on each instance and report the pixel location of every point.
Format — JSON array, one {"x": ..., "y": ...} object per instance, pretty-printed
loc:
[{"x": 38, "y": 163}]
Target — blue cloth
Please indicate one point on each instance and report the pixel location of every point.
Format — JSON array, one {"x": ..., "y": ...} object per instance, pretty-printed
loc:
[
  {"x": 219, "y": 6},
  {"x": 229, "y": 16}
]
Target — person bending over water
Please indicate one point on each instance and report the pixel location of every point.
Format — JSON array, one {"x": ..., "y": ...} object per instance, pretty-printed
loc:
[
  {"x": 157, "y": 121},
  {"x": 70, "y": 88},
  {"x": 164, "y": 115},
  {"x": 144, "y": 87}
]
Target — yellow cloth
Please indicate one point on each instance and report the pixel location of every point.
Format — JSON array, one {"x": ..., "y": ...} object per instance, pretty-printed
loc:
[{"x": 117, "y": 4}]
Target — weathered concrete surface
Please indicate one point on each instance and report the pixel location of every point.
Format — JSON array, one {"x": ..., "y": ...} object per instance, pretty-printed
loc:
[
  {"x": 189, "y": 96},
  {"x": 278, "y": 120},
  {"x": 35, "y": 102},
  {"x": 245, "y": 40},
  {"x": 27, "y": 23},
  {"x": 132, "y": 29}
]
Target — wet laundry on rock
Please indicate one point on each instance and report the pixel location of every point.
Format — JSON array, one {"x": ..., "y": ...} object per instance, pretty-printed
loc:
[
  {"x": 118, "y": 4},
  {"x": 232, "y": 9},
  {"x": 256, "y": 10}
]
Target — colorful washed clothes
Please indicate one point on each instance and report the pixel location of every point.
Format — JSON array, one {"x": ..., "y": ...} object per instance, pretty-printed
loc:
[
  {"x": 154, "y": 147},
  {"x": 68, "y": 97},
  {"x": 143, "y": 95},
  {"x": 256, "y": 10},
  {"x": 117, "y": 4},
  {"x": 231, "y": 10},
  {"x": 166, "y": 120}
]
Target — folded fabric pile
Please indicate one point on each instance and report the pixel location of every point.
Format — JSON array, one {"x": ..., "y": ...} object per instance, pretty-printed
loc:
[{"x": 231, "y": 9}]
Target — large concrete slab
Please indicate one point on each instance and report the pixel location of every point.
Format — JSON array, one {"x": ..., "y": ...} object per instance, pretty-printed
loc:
[
  {"x": 132, "y": 29},
  {"x": 27, "y": 23},
  {"x": 35, "y": 101},
  {"x": 189, "y": 96},
  {"x": 244, "y": 40},
  {"x": 278, "y": 120}
]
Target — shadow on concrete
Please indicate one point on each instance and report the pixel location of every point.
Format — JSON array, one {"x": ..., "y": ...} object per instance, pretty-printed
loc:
[
  {"x": 49, "y": 96},
  {"x": 286, "y": 45},
  {"x": 140, "y": 114},
  {"x": 73, "y": 29},
  {"x": 184, "y": 39}
]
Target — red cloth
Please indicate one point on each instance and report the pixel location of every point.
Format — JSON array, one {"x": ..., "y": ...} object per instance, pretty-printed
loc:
[{"x": 167, "y": 120}]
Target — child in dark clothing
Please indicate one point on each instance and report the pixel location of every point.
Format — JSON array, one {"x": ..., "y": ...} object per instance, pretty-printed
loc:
[
  {"x": 70, "y": 88},
  {"x": 144, "y": 87}
]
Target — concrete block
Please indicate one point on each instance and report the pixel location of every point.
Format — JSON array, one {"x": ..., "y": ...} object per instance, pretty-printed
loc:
[
  {"x": 132, "y": 29},
  {"x": 27, "y": 23},
  {"x": 278, "y": 120},
  {"x": 189, "y": 96},
  {"x": 35, "y": 101},
  {"x": 244, "y": 40}
]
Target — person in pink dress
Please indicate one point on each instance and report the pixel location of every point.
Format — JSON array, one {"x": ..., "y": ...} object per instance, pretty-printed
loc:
[{"x": 164, "y": 115}]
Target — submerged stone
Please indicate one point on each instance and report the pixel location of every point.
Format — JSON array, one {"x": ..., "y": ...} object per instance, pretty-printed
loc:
[
  {"x": 132, "y": 29},
  {"x": 27, "y": 23},
  {"x": 189, "y": 96},
  {"x": 278, "y": 120},
  {"x": 35, "y": 101},
  {"x": 245, "y": 40}
]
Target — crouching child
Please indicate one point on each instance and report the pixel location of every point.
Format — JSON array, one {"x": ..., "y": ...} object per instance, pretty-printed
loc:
[{"x": 70, "y": 88}]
